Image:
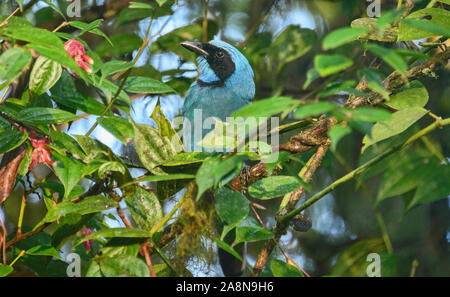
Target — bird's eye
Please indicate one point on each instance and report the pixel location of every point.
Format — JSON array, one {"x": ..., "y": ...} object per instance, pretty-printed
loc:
[{"x": 219, "y": 54}]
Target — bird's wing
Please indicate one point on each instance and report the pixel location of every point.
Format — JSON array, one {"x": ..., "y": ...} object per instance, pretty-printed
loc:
[{"x": 213, "y": 101}]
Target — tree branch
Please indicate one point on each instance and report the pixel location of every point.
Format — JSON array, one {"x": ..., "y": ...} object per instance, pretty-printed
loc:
[{"x": 307, "y": 139}]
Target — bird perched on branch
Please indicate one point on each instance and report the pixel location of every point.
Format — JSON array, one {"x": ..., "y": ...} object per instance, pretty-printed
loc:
[{"x": 224, "y": 85}]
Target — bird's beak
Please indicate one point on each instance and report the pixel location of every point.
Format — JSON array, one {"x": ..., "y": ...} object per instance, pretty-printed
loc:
[{"x": 196, "y": 47}]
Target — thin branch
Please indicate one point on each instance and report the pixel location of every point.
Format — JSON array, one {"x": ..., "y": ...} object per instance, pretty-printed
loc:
[
  {"x": 148, "y": 260},
  {"x": 3, "y": 241},
  {"x": 362, "y": 168},
  {"x": 307, "y": 139},
  {"x": 124, "y": 219},
  {"x": 5, "y": 22},
  {"x": 21, "y": 237}
]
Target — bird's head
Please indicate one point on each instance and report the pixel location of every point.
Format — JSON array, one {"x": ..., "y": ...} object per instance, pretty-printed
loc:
[{"x": 220, "y": 64}]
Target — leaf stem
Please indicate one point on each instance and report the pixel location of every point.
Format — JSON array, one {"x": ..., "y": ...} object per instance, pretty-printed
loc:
[
  {"x": 127, "y": 73},
  {"x": 63, "y": 24},
  {"x": 431, "y": 3},
  {"x": 164, "y": 220},
  {"x": 4, "y": 94},
  {"x": 22, "y": 211},
  {"x": 5, "y": 22},
  {"x": 122, "y": 84},
  {"x": 17, "y": 258}
]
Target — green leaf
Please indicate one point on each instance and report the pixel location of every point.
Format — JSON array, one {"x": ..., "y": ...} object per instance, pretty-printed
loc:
[
  {"x": 152, "y": 148},
  {"x": 337, "y": 133},
  {"x": 45, "y": 115},
  {"x": 26, "y": 161},
  {"x": 164, "y": 126},
  {"x": 91, "y": 27},
  {"x": 20, "y": 2},
  {"x": 425, "y": 23},
  {"x": 33, "y": 35},
  {"x": 336, "y": 88},
  {"x": 365, "y": 114},
  {"x": 231, "y": 206},
  {"x": 389, "y": 56},
  {"x": 249, "y": 231},
  {"x": 156, "y": 178},
  {"x": 144, "y": 207},
  {"x": 400, "y": 121},
  {"x": 311, "y": 75},
  {"x": 414, "y": 95},
  {"x": 59, "y": 55},
  {"x": 44, "y": 75},
  {"x": 274, "y": 186},
  {"x": 140, "y": 5},
  {"x": 432, "y": 188},
  {"x": 389, "y": 17},
  {"x": 122, "y": 44},
  {"x": 68, "y": 170},
  {"x": 224, "y": 246},
  {"x": 15, "y": 21},
  {"x": 117, "y": 126},
  {"x": 405, "y": 174},
  {"x": 186, "y": 158},
  {"x": 114, "y": 66},
  {"x": 128, "y": 15},
  {"x": 65, "y": 94},
  {"x": 5, "y": 270},
  {"x": 214, "y": 170},
  {"x": 266, "y": 107},
  {"x": 165, "y": 43},
  {"x": 63, "y": 140},
  {"x": 342, "y": 36},
  {"x": 313, "y": 109},
  {"x": 146, "y": 85},
  {"x": 374, "y": 81},
  {"x": 109, "y": 89},
  {"x": 44, "y": 250},
  {"x": 111, "y": 166},
  {"x": 93, "y": 148},
  {"x": 91, "y": 204},
  {"x": 282, "y": 269},
  {"x": 161, "y": 2},
  {"x": 330, "y": 64},
  {"x": 121, "y": 246},
  {"x": 353, "y": 260},
  {"x": 12, "y": 63},
  {"x": 123, "y": 266},
  {"x": 10, "y": 139},
  {"x": 68, "y": 226},
  {"x": 45, "y": 43},
  {"x": 387, "y": 34},
  {"x": 291, "y": 44},
  {"x": 115, "y": 232}
]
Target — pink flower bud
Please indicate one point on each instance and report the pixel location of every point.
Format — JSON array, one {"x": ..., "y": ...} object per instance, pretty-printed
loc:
[{"x": 76, "y": 50}]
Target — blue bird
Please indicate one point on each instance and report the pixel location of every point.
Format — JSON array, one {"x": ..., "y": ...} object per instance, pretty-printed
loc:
[{"x": 225, "y": 84}]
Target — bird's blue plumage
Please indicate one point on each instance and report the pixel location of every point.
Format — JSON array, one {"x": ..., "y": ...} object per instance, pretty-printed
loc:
[{"x": 221, "y": 99}]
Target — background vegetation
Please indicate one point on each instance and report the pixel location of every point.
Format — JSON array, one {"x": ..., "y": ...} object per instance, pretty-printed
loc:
[{"x": 364, "y": 114}]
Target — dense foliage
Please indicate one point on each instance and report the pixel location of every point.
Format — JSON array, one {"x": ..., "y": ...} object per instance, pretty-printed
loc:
[{"x": 361, "y": 103}]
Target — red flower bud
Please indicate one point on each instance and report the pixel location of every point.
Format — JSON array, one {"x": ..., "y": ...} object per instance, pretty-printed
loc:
[
  {"x": 88, "y": 243},
  {"x": 76, "y": 50},
  {"x": 41, "y": 153}
]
